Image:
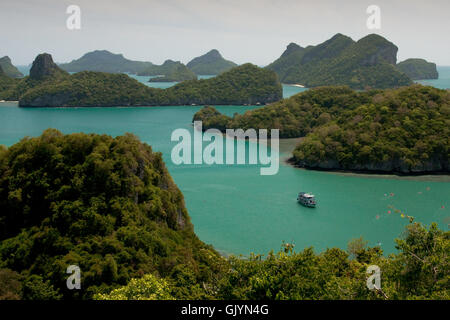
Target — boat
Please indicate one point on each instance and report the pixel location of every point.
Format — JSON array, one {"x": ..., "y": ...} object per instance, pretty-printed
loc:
[{"x": 306, "y": 199}]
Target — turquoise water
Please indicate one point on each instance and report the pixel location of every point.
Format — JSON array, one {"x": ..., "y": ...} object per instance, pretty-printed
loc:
[
  {"x": 239, "y": 211},
  {"x": 444, "y": 79}
]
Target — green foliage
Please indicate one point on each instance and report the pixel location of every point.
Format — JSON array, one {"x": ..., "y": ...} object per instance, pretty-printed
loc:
[
  {"x": 420, "y": 270},
  {"x": 177, "y": 72},
  {"x": 10, "y": 285},
  {"x": 169, "y": 71},
  {"x": 36, "y": 288},
  {"x": 211, "y": 118},
  {"x": 109, "y": 206},
  {"x": 9, "y": 69},
  {"x": 403, "y": 130},
  {"x": 418, "y": 69},
  {"x": 246, "y": 84},
  {"x": 43, "y": 72},
  {"x": 367, "y": 63},
  {"x": 105, "y": 204},
  {"x": 211, "y": 63},
  {"x": 6, "y": 83},
  {"x": 148, "y": 287}
]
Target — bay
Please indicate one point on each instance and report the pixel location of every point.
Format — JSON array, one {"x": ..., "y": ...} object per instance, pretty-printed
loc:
[{"x": 239, "y": 211}]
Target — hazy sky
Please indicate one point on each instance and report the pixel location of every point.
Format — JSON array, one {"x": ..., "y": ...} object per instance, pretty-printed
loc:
[{"x": 242, "y": 30}]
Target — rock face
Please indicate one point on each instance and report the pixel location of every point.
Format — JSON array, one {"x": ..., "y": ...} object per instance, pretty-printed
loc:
[
  {"x": 44, "y": 68},
  {"x": 211, "y": 63},
  {"x": 375, "y": 49},
  {"x": 436, "y": 164},
  {"x": 9, "y": 69},
  {"x": 291, "y": 48},
  {"x": 418, "y": 69},
  {"x": 368, "y": 62}
]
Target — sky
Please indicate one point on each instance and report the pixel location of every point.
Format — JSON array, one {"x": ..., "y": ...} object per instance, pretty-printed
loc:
[{"x": 256, "y": 31}]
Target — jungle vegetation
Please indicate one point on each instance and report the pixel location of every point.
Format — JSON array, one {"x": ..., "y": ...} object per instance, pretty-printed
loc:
[
  {"x": 365, "y": 64},
  {"x": 110, "y": 206},
  {"x": 397, "y": 130},
  {"x": 48, "y": 85}
]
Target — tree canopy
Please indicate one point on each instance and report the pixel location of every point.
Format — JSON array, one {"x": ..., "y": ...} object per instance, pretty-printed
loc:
[{"x": 403, "y": 130}]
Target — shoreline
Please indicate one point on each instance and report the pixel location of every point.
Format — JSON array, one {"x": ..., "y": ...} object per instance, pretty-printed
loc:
[
  {"x": 432, "y": 176},
  {"x": 287, "y": 146}
]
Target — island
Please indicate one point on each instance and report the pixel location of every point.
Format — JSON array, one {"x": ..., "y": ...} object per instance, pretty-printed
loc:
[
  {"x": 105, "y": 61},
  {"x": 211, "y": 63},
  {"x": 6, "y": 83},
  {"x": 173, "y": 71},
  {"x": 418, "y": 69},
  {"x": 368, "y": 63},
  {"x": 404, "y": 130},
  {"x": 49, "y": 86},
  {"x": 9, "y": 69}
]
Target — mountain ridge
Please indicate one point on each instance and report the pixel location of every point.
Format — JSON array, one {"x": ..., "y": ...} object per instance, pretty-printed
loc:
[{"x": 366, "y": 63}]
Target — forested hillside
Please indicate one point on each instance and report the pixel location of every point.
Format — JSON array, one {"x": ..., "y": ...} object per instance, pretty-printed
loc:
[
  {"x": 367, "y": 63},
  {"x": 402, "y": 130}
]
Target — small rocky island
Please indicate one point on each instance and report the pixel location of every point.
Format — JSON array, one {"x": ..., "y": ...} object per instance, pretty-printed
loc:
[
  {"x": 418, "y": 69},
  {"x": 9, "y": 69}
]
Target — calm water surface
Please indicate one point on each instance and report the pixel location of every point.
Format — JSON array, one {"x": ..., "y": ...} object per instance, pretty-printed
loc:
[{"x": 237, "y": 210}]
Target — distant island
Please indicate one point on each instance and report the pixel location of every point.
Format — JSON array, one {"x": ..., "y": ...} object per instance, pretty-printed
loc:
[
  {"x": 6, "y": 82},
  {"x": 105, "y": 61},
  {"x": 418, "y": 69},
  {"x": 170, "y": 71},
  {"x": 401, "y": 130},
  {"x": 368, "y": 63},
  {"x": 211, "y": 63},
  {"x": 9, "y": 69},
  {"x": 49, "y": 86}
]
